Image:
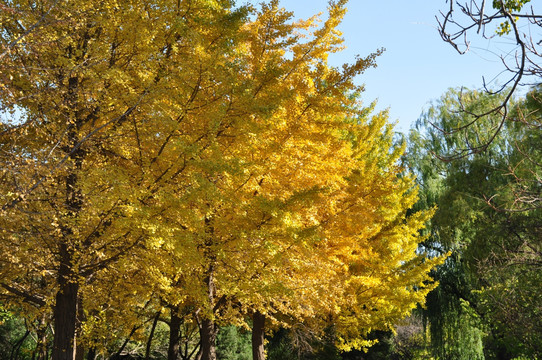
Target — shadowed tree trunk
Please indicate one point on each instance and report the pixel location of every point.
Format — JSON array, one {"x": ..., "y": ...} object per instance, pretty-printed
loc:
[
  {"x": 151, "y": 336},
  {"x": 208, "y": 339},
  {"x": 208, "y": 330},
  {"x": 65, "y": 309},
  {"x": 175, "y": 322},
  {"x": 258, "y": 332}
]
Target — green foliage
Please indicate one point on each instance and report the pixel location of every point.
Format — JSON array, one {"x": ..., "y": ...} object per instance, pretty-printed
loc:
[
  {"x": 280, "y": 347},
  {"x": 15, "y": 341},
  {"x": 488, "y": 302},
  {"x": 233, "y": 344},
  {"x": 455, "y": 329}
]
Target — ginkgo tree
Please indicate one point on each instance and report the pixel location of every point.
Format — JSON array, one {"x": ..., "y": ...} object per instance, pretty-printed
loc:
[
  {"x": 201, "y": 157},
  {"x": 86, "y": 93}
]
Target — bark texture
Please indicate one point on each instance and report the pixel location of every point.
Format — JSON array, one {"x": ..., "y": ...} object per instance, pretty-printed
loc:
[
  {"x": 208, "y": 339},
  {"x": 258, "y": 332},
  {"x": 65, "y": 310},
  {"x": 174, "y": 349}
]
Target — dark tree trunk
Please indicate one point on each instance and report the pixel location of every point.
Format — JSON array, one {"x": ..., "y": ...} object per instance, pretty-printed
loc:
[
  {"x": 258, "y": 332},
  {"x": 208, "y": 333},
  {"x": 91, "y": 354},
  {"x": 208, "y": 329},
  {"x": 79, "y": 351},
  {"x": 174, "y": 349},
  {"x": 151, "y": 336},
  {"x": 64, "y": 325},
  {"x": 65, "y": 309}
]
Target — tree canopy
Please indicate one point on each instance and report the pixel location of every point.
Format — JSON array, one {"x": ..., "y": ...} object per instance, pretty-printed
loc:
[
  {"x": 196, "y": 163},
  {"x": 488, "y": 301}
]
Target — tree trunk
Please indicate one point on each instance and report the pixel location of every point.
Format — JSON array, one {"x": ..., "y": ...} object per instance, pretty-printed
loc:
[
  {"x": 258, "y": 332},
  {"x": 208, "y": 330},
  {"x": 79, "y": 348},
  {"x": 79, "y": 351},
  {"x": 65, "y": 309},
  {"x": 175, "y": 322},
  {"x": 41, "y": 341},
  {"x": 208, "y": 333},
  {"x": 151, "y": 336}
]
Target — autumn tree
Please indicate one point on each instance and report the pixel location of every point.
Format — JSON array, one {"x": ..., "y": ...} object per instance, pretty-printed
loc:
[
  {"x": 199, "y": 160},
  {"x": 278, "y": 241},
  {"x": 246, "y": 220},
  {"x": 84, "y": 96}
]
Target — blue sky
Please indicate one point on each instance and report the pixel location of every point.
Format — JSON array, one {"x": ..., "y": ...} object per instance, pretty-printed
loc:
[{"x": 417, "y": 66}]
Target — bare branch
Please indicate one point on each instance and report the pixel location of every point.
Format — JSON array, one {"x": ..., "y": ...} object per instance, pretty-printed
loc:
[{"x": 455, "y": 32}]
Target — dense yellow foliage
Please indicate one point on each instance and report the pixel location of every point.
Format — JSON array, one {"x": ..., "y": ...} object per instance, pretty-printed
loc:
[{"x": 196, "y": 155}]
